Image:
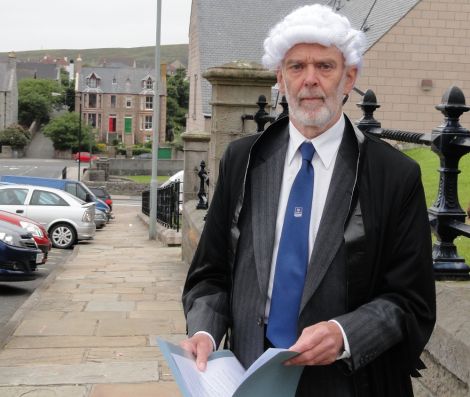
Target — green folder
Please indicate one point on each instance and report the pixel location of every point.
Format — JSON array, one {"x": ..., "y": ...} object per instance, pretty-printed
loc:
[{"x": 226, "y": 377}]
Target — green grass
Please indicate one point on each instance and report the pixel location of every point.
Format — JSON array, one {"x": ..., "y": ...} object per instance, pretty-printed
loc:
[
  {"x": 429, "y": 163},
  {"x": 146, "y": 178}
]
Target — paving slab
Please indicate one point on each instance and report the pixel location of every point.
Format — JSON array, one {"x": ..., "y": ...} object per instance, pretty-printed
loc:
[
  {"x": 163, "y": 389},
  {"x": 28, "y": 342},
  {"x": 44, "y": 356},
  {"x": 45, "y": 391},
  {"x": 63, "y": 327},
  {"x": 88, "y": 373}
]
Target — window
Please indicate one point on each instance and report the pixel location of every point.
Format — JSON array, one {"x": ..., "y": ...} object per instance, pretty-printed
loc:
[
  {"x": 113, "y": 101},
  {"x": 81, "y": 193},
  {"x": 148, "y": 122},
  {"x": 91, "y": 82},
  {"x": 71, "y": 188},
  {"x": 92, "y": 100},
  {"x": 13, "y": 196},
  {"x": 149, "y": 84},
  {"x": 128, "y": 125},
  {"x": 149, "y": 102},
  {"x": 112, "y": 123},
  {"x": 92, "y": 119},
  {"x": 41, "y": 197},
  {"x": 128, "y": 102}
]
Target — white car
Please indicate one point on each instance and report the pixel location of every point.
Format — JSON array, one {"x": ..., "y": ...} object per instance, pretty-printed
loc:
[
  {"x": 66, "y": 219},
  {"x": 178, "y": 177}
]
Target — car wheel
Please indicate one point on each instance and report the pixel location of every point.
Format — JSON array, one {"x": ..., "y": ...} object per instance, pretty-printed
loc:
[{"x": 62, "y": 235}]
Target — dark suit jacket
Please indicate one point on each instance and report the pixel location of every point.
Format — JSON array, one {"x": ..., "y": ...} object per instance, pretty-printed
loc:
[{"x": 370, "y": 268}]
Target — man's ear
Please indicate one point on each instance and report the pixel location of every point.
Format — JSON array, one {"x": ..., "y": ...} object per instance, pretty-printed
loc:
[
  {"x": 280, "y": 81},
  {"x": 351, "y": 76}
]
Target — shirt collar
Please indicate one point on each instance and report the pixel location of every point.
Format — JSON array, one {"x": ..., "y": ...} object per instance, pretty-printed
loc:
[{"x": 326, "y": 144}]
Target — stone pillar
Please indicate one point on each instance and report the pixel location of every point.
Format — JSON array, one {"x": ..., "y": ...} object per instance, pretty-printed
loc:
[
  {"x": 196, "y": 147},
  {"x": 236, "y": 87}
]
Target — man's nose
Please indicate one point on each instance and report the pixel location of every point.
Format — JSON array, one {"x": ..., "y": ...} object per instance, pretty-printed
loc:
[{"x": 311, "y": 75}]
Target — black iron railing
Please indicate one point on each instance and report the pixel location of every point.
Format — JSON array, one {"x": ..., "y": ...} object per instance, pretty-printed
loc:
[
  {"x": 450, "y": 141},
  {"x": 169, "y": 205}
]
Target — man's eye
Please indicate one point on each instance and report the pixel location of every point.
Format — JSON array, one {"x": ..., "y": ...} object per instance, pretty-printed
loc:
[
  {"x": 295, "y": 67},
  {"x": 325, "y": 66}
]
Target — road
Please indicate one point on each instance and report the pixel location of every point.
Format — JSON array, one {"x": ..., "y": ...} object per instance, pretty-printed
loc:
[{"x": 34, "y": 167}]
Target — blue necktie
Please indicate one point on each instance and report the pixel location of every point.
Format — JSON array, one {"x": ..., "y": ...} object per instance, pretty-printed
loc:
[{"x": 292, "y": 256}]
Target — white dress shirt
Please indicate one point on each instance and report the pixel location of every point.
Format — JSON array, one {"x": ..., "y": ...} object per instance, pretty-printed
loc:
[{"x": 326, "y": 150}]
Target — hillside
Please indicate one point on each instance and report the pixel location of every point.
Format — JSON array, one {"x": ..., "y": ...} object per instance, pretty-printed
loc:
[{"x": 144, "y": 56}]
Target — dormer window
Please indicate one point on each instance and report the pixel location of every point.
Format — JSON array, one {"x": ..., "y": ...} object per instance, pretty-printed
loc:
[
  {"x": 92, "y": 81},
  {"x": 149, "y": 84},
  {"x": 114, "y": 80}
]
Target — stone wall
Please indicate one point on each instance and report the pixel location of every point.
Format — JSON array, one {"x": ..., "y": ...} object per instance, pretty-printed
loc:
[
  {"x": 414, "y": 63},
  {"x": 120, "y": 187},
  {"x": 143, "y": 166}
]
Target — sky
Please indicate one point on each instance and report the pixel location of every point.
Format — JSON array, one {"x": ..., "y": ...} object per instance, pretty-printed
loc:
[{"x": 57, "y": 24}]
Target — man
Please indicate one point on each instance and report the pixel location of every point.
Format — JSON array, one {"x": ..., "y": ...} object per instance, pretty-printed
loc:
[{"x": 329, "y": 256}]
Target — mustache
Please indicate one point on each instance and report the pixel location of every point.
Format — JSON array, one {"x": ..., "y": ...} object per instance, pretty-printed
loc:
[{"x": 305, "y": 93}]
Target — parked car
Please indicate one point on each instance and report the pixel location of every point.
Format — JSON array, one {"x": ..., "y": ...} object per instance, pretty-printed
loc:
[
  {"x": 102, "y": 194},
  {"x": 100, "y": 219},
  {"x": 143, "y": 156},
  {"x": 177, "y": 177},
  {"x": 19, "y": 254},
  {"x": 36, "y": 229},
  {"x": 66, "y": 219},
  {"x": 84, "y": 157},
  {"x": 72, "y": 186}
]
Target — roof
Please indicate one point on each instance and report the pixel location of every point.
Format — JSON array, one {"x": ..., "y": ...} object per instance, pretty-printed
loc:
[
  {"x": 117, "y": 80},
  {"x": 37, "y": 70},
  {"x": 244, "y": 24}
]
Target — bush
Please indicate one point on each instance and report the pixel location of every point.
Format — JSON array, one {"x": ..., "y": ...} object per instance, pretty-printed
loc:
[
  {"x": 139, "y": 150},
  {"x": 15, "y": 136},
  {"x": 101, "y": 147}
]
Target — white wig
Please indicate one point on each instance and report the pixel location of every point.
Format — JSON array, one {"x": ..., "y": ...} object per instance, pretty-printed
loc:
[{"x": 313, "y": 24}]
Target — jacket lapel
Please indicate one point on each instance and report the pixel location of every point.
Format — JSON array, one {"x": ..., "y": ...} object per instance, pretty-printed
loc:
[
  {"x": 331, "y": 231},
  {"x": 266, "y": 179}
]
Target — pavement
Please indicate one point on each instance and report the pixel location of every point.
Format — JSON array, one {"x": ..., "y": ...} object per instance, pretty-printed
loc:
[{"x": 90, "y": 330}]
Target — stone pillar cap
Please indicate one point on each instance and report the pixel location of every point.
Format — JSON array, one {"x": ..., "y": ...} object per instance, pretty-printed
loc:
[{"x": 244, "y": 71}]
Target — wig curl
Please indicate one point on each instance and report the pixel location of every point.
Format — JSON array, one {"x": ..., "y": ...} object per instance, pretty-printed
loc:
[{"x": 314, "y": 24}]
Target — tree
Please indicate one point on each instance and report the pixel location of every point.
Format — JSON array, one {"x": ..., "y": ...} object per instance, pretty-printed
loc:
[
  {"x": 36, "y": 100},
  {"x": 15, "y": 136},
  {"x": 177, "y": 101},
  {"x": 63, "y": 130}
]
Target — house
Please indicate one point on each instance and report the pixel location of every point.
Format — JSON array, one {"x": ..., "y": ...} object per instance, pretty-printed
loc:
[
  {"x": 415, "y": 51},
  {"x": 8, "y": 92},
  {"x": 37, "y": 70},
  {"x": 119, "y": 102}
]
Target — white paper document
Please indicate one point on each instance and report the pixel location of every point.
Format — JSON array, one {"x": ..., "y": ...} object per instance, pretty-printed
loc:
[{"x": 225, "y": 376}]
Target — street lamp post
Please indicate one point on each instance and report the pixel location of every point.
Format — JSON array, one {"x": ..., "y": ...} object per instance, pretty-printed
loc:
[
  {"x": 79, "y": 135},
  {"x": 156, "y": 127}
]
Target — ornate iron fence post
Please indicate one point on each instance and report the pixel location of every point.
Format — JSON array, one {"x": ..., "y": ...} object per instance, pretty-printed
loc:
[
  {"x": 203, "y": 179},
  {"x": 261, "y": 117},
  {"x": 368, "y": 105},
  {"x": 450, "y": 141}
]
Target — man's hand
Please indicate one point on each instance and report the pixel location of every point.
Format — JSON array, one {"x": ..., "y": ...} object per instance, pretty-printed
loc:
[
  {"x": 200, "y": 346},
  {"x": 318, "y": 344}
]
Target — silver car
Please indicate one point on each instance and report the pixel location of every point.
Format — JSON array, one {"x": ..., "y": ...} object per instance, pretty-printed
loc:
[{"x": 66, "y": 219}]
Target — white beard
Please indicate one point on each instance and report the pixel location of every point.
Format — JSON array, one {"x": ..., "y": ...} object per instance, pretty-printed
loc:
[{"x": 319, "y": 115}]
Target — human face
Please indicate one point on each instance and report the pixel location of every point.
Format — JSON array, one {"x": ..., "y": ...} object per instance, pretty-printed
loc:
[{"x": 314, "y": 80}]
